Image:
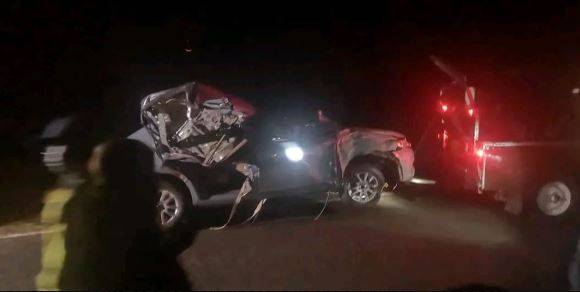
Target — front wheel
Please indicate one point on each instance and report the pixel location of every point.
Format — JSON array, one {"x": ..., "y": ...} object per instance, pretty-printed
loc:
[
  {"x": 364, "y": 185},
  {"x": 171, "y": 207}
]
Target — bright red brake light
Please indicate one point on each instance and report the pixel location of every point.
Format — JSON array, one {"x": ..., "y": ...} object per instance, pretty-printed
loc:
[
  {"x": 403, "y": 144},
  {"x": 444, "y": 107}
]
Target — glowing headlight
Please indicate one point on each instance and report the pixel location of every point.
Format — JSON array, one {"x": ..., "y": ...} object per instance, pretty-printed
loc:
[{"x": 294, "y": 153}]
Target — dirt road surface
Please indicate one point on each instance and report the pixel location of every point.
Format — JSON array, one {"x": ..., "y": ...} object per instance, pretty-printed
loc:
[{"x": 421, "y": 243}]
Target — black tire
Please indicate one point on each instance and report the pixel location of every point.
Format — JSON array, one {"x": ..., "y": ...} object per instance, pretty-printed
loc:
[
  {"x": 554, "y": 211},
  {"x": 182, "y": 202},
  {"x": 353, "y": 194}
]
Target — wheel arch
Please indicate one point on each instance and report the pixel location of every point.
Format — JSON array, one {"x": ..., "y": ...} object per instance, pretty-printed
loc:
[
  {"x": 535, "y": 178},
  {"x": 180, "y": 180},
  {"x": 389, "y": 166}
]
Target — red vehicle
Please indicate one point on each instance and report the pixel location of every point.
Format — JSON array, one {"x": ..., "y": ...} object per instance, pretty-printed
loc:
[{"x": 489, "y": 148}]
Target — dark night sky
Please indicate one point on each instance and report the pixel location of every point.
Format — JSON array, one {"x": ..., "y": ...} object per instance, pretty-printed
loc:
[{"x": 367, "y": 62}]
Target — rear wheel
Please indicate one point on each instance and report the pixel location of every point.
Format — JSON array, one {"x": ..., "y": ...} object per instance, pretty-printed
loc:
[
  {"x": 557, "y": 198},
  {"x": 365, "y": 183}
]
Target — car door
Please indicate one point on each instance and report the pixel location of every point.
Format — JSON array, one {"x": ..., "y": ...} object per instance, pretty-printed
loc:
[{"x": 294, "y": 156}]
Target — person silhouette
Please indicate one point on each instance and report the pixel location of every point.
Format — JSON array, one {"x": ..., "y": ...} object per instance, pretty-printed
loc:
[{"x": 113, "y": 241}]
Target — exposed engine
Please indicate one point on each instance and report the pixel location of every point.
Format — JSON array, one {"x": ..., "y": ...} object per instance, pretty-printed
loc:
[
  {"x": 216, "y": 118},
  {"x": 207, "y": 132}
]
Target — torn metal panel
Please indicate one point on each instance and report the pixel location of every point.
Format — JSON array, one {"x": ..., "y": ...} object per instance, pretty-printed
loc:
[{"x": 251, "y": 172}]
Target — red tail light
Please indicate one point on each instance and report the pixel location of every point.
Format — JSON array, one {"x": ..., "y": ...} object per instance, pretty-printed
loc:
[
  {"x": 403, "y": 144},
  {"x": 444, "y": 108}
]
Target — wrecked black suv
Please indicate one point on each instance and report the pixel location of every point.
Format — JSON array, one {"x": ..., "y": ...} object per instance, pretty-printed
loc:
[{"x": 215, "y": 149}]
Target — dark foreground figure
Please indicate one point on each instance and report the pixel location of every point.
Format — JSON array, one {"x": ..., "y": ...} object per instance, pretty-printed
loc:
[{"x": 112, "y": 241}]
